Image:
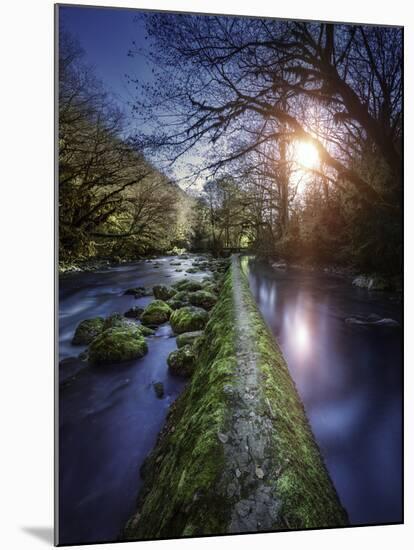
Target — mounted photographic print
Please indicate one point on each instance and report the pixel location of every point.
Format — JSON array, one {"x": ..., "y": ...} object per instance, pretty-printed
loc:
[{"x": 230, "y": 293}]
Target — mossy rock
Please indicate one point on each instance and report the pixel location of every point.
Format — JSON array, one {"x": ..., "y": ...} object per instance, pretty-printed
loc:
[
  {"x": 175, "y": 263},
  {"x": 146, "y": 331},
  {"x": 176, "y": 304},
  {"x": 159, "y": 389},
  {"x": 87, "y": 330},
  {"x": 181, "y": 362},
  {"x": 188, "y": 338},
  {"x": 188, "y": 286},
  {"x": 203, "y": 298},
  {"x": 134, "y": 313},
  {"x": 116, "y": 345},
  {"x": 137, "y": 292},
  {"x": 116, "y": 320},
  {"x": 193, "y": 269},
  {"x": 163, "y": 292},
  {"x": 188, "y": 319},
  {"x": 156, "y": 313}
]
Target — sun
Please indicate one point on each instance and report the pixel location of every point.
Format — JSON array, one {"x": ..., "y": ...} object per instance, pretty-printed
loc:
[{"x": 306, "y": 154}]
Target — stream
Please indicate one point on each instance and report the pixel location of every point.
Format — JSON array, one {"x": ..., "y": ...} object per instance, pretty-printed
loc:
[
  {"x": 109, "y": 418},
  {"x": 349, "y": 377}
]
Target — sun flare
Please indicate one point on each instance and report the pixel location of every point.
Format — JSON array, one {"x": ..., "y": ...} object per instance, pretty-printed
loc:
[{"x": 306, "y": 154}]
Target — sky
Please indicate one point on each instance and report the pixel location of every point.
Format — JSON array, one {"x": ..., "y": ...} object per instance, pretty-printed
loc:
[{"x": 106, "y": 35}]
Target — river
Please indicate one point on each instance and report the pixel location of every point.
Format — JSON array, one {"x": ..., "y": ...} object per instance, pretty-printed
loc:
[
  {"x": 109, "y": 417},
  {"x": 349, "y": 378}
]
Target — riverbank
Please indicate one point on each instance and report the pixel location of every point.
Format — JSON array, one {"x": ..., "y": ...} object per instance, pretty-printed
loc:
[{"x": 236, "y": 453}]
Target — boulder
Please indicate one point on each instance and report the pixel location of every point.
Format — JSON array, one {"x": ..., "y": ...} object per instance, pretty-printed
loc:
[
  {"x": 138, "y": 292},
  {"x": 87, "y": 330},
  {"x": 163, "y": 292},
  {"x": 188, "y": 338},
  {"x": 117, "y": 320},
  {"x": 146, "y": 331},
  {"x": 176, "y": 304},
  {"x": 117, "y": 344},
  {"x": 188, "y": 286},
  {"x": 156, "y": 313},
  {"x": 134, "y": 313},
  {"x": 181, "y": 362},
  {"x": 372, "y": 282},
  {"x": 202, "y": 298},
  {"x": 159, "y": 389},
  {"x": 188, "y": 319}
]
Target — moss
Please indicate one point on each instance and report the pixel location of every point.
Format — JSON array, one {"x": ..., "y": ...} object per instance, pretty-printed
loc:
[
  {"x": 163, "y": 292},
  {"x": 188, "y": 318},
  {"x": 117, "y": 320},
  {"x": 146, "y": 331},
  {"x": 189, "y": 286},
  {"x": 202, "y": 298},
  {"x": 156, "y": 313},
  {"x": 87, "y": 330},
  {"x": 117, "y": 344},
  {"x": 188, "y": 338},
  {"x": 181, "y": 362},
  {"x": 304, "y": 487},
  {"x": 182, "y": 493}
]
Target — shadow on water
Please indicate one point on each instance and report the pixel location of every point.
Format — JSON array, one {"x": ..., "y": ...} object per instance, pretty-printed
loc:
[
  {"x": 349, "y": 377},
  {"x": 109, "y": 418}
]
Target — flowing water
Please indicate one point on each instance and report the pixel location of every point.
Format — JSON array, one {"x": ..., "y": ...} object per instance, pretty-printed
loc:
[
  {"x": 349, "y": 376},
  {"x": 109, "y": 417}
]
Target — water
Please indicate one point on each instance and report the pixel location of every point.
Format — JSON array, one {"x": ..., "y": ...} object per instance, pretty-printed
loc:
[
  {"x": 109, "y": 417},
  {"x": 349, "y": 378}
]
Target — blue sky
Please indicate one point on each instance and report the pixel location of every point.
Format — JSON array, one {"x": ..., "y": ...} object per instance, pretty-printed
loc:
[{"x": 106, "y": 35}]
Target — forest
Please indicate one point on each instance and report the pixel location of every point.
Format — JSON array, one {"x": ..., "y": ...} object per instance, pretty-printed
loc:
[{"x": 296, "y": 129}]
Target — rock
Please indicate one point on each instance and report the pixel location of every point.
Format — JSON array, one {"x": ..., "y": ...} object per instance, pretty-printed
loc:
[
  {"x": 189, "y": 286},
  {"x": 176, "y": 304},
  {"x": 163, "y": 292},
  {"x": 87, "y": 330},
  {"x": 259, "y": 472},
  {"x": 117, "y": 320},
  {"x": 372, "y": 282},
  {"x": 156, "y": 313},
  {"x": 203, "y": 298},
  {"x": 223, "y": 437},
  {"x": 175, "y": 263},
  {"x": 134, "y": 313},
  {"x": 146, "y": 331},
  {"x": 188, "y": 338},
  {"x": 117, "y": 344},
  {"x": 188, "y": 319},
  {"x": 137, "y": 292},
  {"x": 192, "y": 270},
  {"x": 372, "y": 320},
  {"x": 159, "y": 389},
  {"x": 181, "y": 362},
  {"x": 178, "y": 270}
]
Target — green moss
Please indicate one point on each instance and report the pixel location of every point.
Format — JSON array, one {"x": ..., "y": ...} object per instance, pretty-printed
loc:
[
  {"x": 188, "y": 338},
  {"x": 146, "y": 331},
  {"x": 181, "y": 361},
  {"x": 156, "y": 313},
  {"x": 304, "y": 487},
  {"x": 117, "y": 344},
  {"x": 189, "y": 286},
  {"x": 188, "y": 318},
  {"x": 202, "y": 298},
  {"x": 87, "y": 330},
  {"x": 163, "y": 292},
  {"x": 182, "y": 494}
]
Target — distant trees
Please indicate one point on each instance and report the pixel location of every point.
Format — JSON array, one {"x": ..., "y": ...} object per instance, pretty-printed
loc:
[
  {"x": 246, "y": 89},
  {"x": 111, "y": 199}
]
